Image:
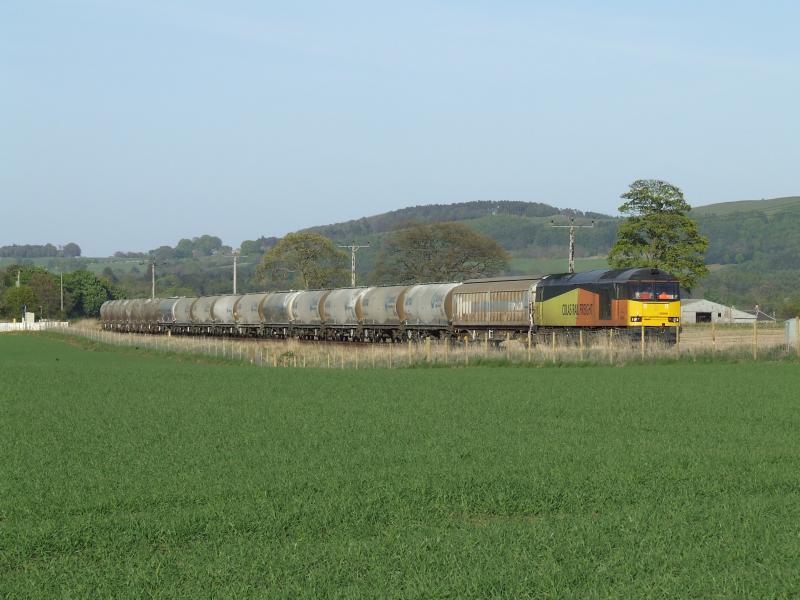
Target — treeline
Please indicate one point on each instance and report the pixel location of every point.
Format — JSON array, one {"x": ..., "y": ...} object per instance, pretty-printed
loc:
[
  {"x": 199, "y": 247},
  {"x": 188, "y": 277},
  {"x": 40, "y": 292},
  {"x": 69, "y": 250},
  {"x": 462, "y": 211}
]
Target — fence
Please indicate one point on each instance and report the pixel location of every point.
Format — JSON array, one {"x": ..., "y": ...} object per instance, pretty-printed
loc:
[
  {"x": 37, "y": 326},
  {"x": 607, "y": 348}
]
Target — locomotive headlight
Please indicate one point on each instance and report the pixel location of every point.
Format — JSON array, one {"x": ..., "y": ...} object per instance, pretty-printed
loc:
[
  {"x": 674, "y": 319},
  {"x": 636, "y": 319}
]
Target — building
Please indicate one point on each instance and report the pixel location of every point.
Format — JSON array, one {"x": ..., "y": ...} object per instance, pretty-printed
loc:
[{"x": 699, "y": 310}]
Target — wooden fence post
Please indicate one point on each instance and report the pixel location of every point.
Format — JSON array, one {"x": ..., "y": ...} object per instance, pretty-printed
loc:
[
  {"x": 797, "y": 335},
  {"x": 713, "y": 336},
  {"x": 642, "y": 341}
]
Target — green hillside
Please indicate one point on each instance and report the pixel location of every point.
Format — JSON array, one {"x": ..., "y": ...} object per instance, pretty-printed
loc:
[{"x": 771, "y": 206}]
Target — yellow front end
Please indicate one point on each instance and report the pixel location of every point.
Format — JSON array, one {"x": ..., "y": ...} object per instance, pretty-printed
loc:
[{"x": 654, "y": 313}]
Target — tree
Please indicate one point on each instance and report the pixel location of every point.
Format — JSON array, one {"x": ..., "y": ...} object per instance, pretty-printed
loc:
[
  {"x": 88, "y": 292},
  {"x": 184, "y": 248},
  {"x": 16, "y": 298},
  {"x": 259, "y": 246},
  {"x": 8, "y": 278},
  {"x": 306, "y": 260},
  {"x": 206, "y": 245},
  {"x": 658, "y": 233},
  {"x": 439, "y": 252},
  {"x": 71, "y": 250},
  {"x": 48, "y": 296}
]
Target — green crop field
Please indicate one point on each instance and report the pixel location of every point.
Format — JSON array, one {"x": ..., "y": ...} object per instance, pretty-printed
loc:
[{"x": 124, "y": 474}]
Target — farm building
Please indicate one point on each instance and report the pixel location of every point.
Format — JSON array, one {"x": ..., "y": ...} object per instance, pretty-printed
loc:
[{"x": 699, "y": 310}]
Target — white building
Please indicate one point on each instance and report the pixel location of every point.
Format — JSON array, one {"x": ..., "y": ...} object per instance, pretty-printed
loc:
[{"x": 699, "y": 310}]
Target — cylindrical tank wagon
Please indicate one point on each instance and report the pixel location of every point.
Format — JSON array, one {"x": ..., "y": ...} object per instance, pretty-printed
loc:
[
  {"x": 428, "y": 307},
  {"x": 247, "y": 313},
  {"x": 381, "y": 312},
  {"x": 307, "y": 314},
  {"x": 223, "y": 314}
]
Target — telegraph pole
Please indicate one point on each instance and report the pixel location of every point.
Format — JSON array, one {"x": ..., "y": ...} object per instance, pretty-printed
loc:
[
  {"x": 235, "y": 263},
  {"x": 61, "y": 275},
  {"x": 153, "y": 279},
  {"x": 572, "y": 228},
  {"x": 353, "y": 249}
]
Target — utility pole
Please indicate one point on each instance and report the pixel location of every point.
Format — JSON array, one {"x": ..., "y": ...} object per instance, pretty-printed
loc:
[
  {"x": 61, "y": 276},
  {"x": 353, "y": 249},
  {"x": 235, "y": 262},
  {"x": 18, "y": 274},
  {"x": 153, "y": 279},
  {"x": 572, "y": 228}
]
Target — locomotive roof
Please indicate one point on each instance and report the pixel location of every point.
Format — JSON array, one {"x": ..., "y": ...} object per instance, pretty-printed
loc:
[{"x": 608, "y": 276}]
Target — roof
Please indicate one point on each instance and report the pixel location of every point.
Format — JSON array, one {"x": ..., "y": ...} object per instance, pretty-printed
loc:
[
  {"x": 514, "y": 278},
  {"x": 608, "y": 276}
]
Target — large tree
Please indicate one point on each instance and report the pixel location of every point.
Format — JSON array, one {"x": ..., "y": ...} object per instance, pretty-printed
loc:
[
  {"x": 439, "y": 252},
  {"x": 87, "y": 292},
  {"x": 306, "y": 260},
  {"x": 658, "y": 233},
  {"x": 17, "y": 298},
  {"x": 46, "y": 287}
]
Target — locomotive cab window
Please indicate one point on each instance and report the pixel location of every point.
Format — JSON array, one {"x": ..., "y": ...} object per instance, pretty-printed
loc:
[
  {"x": 653, "y": 290},
  {"x": 605, "y": 303}
]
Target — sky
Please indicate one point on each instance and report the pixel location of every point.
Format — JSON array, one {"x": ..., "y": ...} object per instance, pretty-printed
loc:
[{"x": 126, "y": 125}]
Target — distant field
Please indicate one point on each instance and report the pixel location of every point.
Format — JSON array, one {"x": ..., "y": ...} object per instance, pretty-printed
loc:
[
  {"x": 770, "y": 206},
  {"x": 135, "y": 475},
  {"x": 95, "y": 265},
  {"x": 543, "y": 266}
]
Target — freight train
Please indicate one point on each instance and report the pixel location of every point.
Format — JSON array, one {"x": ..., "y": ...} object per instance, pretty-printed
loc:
[{"x": 629, "y": 301}]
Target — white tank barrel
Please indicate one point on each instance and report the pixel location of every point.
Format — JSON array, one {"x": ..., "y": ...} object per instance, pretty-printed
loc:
[
  {"x": 137, "y": 310},
  {"x": 223, "y": 309},
  {"x": 277, "y": 308},
  {"x": 339, "y": 307},
  {"x": 306, "y": 307},
  {"x": 183, "y": 310},
  {"x": 379, "y": 305},
  {"x": 202, "y": 310},
  {"x": 247, "y": 310},
  {"x": 166, "y": 310},
  {"x": 429, "y": 304}
]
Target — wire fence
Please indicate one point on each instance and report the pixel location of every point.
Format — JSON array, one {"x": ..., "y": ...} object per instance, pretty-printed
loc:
[{"x": 606, "y": 348}]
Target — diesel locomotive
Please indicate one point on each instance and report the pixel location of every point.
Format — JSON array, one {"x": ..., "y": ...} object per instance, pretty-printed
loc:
[{"x": 628, "y": 301}]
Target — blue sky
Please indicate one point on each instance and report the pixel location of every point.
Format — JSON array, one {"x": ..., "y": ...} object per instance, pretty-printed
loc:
[{"x": 129, "y": 124}]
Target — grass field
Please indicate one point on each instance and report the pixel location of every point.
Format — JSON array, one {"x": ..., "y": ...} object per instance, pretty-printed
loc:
[{"x": 128, "y": 475}]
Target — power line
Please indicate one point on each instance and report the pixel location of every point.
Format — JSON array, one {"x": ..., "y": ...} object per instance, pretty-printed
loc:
[
  {"x": 572, "y": 228},
  {"x": 353, "y": 249}
]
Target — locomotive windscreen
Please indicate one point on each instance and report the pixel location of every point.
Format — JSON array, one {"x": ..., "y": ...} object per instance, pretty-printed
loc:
[{"x": 653, "y": 290}]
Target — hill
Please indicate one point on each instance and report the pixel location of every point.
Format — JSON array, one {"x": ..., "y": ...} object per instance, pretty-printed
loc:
[
  {"x": 771, "y": 206},
  {"x": 522, "y": 228}
]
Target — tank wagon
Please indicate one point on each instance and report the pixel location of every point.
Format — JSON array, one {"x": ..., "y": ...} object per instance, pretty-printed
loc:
[{"x": 496, "y": 309}]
